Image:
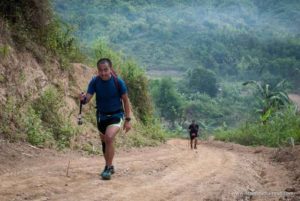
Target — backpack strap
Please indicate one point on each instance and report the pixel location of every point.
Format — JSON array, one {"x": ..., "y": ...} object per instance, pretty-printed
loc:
[{"x": 117, "y": 84}]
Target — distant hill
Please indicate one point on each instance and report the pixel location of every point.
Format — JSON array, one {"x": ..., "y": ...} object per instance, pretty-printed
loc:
[{"x": 247, "y": 37}]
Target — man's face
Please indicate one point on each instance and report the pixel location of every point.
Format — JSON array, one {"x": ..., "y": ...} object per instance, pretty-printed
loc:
[{"x": 104, "y": 71}]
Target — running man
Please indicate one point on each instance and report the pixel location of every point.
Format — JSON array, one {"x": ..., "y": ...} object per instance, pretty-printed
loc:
[
  {"x": 193, "y": 130},
  {"x": 111, "y": 95}
]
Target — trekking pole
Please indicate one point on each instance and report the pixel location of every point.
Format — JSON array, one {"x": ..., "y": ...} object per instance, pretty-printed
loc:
[{"x": 79, "y": 118}]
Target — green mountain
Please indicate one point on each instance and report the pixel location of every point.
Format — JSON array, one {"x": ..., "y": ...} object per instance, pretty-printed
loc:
[{"x": 247, "y": 37}]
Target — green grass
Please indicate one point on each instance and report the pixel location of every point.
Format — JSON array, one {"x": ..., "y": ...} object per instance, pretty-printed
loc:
[
  {"x": 4, "y": 51},
  {"x": 143, "y": 135},
  {"x": 276, "y": 132}
]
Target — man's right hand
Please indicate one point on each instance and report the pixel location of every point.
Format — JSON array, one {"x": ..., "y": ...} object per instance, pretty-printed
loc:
[
  {"x": 85, "y": 97},
  {"x": 82, "y": 96}
]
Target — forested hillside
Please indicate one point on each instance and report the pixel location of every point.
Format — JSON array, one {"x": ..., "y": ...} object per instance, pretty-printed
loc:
[{"x": 249, "y": 38}]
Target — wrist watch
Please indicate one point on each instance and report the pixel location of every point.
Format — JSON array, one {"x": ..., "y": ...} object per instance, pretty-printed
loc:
[{"x": 127, "y": 119}]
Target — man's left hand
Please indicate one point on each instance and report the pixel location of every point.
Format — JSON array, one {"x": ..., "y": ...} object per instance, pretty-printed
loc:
[{"x": 127, "y": 126}]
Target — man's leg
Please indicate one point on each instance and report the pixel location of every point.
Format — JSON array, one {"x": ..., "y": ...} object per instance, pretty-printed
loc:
[
  {"x": 195, "y": 146},
  {"x": 109, "y": 137},
  {"x": 110, "y": 134},
  {"x": 102, "y": 137},
  {"x": 102, "y": 127},
  {"x": 191, "y": 142}
]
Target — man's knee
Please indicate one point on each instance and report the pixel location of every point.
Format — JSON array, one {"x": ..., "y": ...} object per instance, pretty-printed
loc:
[
  {"x": 109, "y": 139},
  {"x": 110, "y": 134}
]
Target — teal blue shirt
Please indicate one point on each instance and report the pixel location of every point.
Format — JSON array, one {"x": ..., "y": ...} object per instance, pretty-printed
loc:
[{"x": 108, "y": 95}]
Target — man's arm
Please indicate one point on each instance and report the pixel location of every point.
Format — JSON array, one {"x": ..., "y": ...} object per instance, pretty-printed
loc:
[{"x": 127, "y": 124}]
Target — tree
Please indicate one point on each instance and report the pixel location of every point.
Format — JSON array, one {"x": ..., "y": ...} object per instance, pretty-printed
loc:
[
  {"x": 271, "y": 99},
  {"x": 169, "y": 101},
  {"x": 201, "y": 80}
]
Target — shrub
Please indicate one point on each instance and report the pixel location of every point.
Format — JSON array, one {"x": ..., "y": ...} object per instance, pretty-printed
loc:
[
  {"x": 48, "y": 106},
  {"x": 144, "y": 135},
  {"x": 276, "y": 132},
  {"x": 36, "y": 133},
  {"x": 10, "y": 119},
  {"x": 137, "y": 84},
  {"x": 33, "y": 25}
]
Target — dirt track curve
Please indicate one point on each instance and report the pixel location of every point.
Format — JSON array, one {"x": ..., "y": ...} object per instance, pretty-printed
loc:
[
  {"x": 215, "y": 171},
  {"x": 296, "y": 99}
]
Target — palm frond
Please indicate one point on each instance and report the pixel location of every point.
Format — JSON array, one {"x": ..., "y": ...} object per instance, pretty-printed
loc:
[
  {"x": 257, "y": 84},
  {"x": 280, "y": 84}
]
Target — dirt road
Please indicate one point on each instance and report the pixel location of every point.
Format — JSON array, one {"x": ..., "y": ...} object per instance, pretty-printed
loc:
[
  {"x": 215, "y": 171},
  {"x": 296, "y": 99}
]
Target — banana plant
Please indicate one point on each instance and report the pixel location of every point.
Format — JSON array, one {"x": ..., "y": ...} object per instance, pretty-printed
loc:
[{"x": 271, "y": 99}]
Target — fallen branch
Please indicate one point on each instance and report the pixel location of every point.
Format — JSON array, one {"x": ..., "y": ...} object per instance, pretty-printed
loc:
[
  {"x": 27, "y": 154},
  {"x": 33, "y": 146}
]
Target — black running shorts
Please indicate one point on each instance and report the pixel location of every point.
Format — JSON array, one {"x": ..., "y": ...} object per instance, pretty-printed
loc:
[
  {"x": 193, "y": 136},
  {"x": 103, "y": 124}
]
